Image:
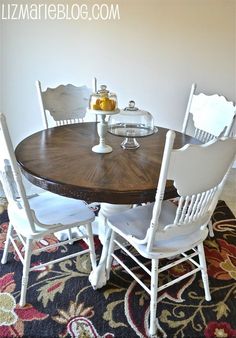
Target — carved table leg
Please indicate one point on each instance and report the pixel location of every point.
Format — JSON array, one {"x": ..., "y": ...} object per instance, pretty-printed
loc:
[{"x": 98, "y": 276}]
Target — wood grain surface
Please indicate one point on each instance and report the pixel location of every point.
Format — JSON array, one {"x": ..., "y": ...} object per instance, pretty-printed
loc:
[{"x": 61, "y": 160}]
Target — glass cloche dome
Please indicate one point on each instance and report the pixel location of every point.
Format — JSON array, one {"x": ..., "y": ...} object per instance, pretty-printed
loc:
[
  {"x": 131, "y": 123},
  {"x": 103, "y": 100}
]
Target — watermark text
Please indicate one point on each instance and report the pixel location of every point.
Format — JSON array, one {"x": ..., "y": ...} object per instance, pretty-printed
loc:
[{"x": 59, "y": 11}]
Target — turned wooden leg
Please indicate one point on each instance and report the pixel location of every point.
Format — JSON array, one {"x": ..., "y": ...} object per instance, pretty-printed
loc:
[
  {"x": 153, "y": 302},
  {"x": 7, "y": 244},
  {"x": 26, "y": 267},
  {"x": 205, "y": 281}
]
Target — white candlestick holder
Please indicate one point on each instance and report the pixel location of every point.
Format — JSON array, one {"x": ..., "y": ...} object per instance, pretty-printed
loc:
[{"x": 102, "y": 147}]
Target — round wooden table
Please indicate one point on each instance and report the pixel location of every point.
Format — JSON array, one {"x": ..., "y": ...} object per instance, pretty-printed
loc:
[{"x": 61, "y": 160}]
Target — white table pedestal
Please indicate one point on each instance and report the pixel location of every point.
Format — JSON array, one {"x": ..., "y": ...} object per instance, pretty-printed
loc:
[{"x": 98, "y": 277}]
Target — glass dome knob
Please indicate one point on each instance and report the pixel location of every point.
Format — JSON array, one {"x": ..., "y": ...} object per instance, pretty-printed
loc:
[{"x": 131, "y": 106}]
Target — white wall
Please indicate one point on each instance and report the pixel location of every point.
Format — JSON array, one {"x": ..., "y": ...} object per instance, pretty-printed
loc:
[{"x": 152, "y": 55}]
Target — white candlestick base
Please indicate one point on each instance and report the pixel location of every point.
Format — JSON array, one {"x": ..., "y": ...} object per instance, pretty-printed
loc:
[{"x": 102, "y": 148}]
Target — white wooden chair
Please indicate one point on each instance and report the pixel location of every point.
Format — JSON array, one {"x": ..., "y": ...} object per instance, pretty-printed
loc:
[
  {"x": 162, "y": 229},
  {"x": 66, "y": 104},
  {"x": 208, "y": 116},
  {"x": 33, "y": 218}
]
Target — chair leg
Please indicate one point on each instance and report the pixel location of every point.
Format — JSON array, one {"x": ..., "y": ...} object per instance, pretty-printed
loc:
[
  {"x": 210, "y": 227},
  {"x": 205, "y": 281},
  {"x": 7, "y": 243},
  {"x": 70, "y": 236},
  {"x": 153, "y": 302},
  {"x": 91, "y": 246},
  {"x": 26, "y": 267},
  {"x": 109, "y": 254}
]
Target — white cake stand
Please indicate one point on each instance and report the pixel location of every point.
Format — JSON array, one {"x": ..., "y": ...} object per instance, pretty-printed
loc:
[{"x": 102, "y": 147}]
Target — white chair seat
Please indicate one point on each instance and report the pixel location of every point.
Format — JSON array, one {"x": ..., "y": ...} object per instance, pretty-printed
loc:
[
  {"x": 168, "y": 248},
  {"x": 51, "y": 210},
  {"x": 135, "y": 222},
  {"x": 61, "y": 210}
]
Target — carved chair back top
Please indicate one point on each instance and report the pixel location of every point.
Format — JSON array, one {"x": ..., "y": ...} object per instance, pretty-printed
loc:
[
  {"x": 66, "y": 103},
  {"x": 198, "y": 172},
  {"x": 212, "y": 116}
]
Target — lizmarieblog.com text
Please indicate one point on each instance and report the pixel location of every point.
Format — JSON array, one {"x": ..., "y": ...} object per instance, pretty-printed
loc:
[{"x": 59, "y": 11}]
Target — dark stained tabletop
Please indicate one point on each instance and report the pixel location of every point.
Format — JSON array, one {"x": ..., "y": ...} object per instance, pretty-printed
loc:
[{"x": 61, "y": 160}]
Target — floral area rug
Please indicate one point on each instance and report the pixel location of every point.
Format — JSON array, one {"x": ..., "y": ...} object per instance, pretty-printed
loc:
[{"x": 62, "y": 303}]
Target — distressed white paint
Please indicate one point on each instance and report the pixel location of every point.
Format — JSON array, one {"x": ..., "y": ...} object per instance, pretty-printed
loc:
[
  {"x": 165, "y": 230},
  {"x": 31, "y": 219},
  {"x": 212, "y": 115},
  {"x": 66, "y": 104}
]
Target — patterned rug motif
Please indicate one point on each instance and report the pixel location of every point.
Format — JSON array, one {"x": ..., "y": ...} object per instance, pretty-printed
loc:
[{"x": 62, "y": 303}]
